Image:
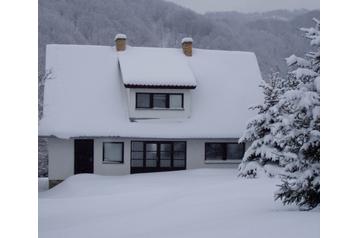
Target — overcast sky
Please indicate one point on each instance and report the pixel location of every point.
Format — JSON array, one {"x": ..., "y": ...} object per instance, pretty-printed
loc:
[{"x": 202, "y": 6}]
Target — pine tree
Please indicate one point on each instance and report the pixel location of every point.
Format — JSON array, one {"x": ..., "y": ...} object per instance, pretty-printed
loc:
[
  {"x": 262, "y": 154},
  {"x": 297, "y": 128}
]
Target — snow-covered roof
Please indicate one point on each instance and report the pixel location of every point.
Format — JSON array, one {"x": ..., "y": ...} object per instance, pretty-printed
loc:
[
  {"x": 155, "y": 67},
  {"x": 86, "y": 97}
]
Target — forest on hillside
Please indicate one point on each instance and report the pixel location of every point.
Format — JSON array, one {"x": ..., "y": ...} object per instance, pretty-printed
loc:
[{"x": 271, "y": 35}]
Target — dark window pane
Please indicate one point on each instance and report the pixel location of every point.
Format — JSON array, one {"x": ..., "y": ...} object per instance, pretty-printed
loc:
[
  {"x": 151, "y": 163},
  {"x": 137, "y": 163},
  {"x": 143, "y": 100},
  {"x": 165, "y": 155},
  {"x": 137, "y": 146},
  {"x": 137, "y": 155},
  {"x": 159, "y": 100},
  {"x": 165, "y": 147},
  {"x": 175, "y": 101},
  {"x": 179, "y": 155},
  {"x": 165, "y": 163},
  {"x": 113, "y": 152},
  {"x": 179, "y": 163},
  {"x": 151, "y": 147},
  {"x": 179, "y": 146},
  {"x": 214, "y": 151},
  {"x": 235, "y": 151},
  {"x": 151, "y": 155},
  {"x": 232, "y": 151}
]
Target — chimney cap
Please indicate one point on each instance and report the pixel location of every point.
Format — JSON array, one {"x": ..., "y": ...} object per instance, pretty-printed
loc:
[
  {"x": 187, "y": 40},
  {"x": 120, "y": 37}
]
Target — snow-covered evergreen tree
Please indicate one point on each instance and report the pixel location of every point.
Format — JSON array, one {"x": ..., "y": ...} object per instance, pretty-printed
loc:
[
  {"x": 262, "y": 154},
  {"x": 297, "y": 128}
]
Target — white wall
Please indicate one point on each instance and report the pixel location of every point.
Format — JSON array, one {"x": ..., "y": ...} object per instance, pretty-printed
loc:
[
  {"x": 111, "y": 169},
  {"x": 159, "y": 113},
  {"x": 61, "y": 156}
]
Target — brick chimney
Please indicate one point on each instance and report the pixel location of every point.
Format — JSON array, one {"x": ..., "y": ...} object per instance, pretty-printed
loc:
[
  {"x": 187, "y": 45},
  {"x": 120, "y": 40}
]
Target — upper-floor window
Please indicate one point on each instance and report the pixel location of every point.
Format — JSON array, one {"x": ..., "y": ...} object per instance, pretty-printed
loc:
[{"x": 160, "y": 100}]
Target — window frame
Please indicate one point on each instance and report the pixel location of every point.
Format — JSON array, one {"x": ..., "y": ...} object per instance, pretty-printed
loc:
[
  {"x": 225, "y": 151},
  {"x": 167, "y": 101},
  {"x": 158, "y": 152},
  {"x": 103, "y": 152},
  {"x": 150, "y": 101}
]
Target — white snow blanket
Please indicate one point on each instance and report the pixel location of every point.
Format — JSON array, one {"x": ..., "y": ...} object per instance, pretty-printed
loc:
[
  {"x": 42, "y": 184},
  {"x": 208, "y": 203}
]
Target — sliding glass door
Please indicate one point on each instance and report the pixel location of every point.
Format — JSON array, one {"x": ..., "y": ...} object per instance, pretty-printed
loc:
[{"x": 155, "y": 156}]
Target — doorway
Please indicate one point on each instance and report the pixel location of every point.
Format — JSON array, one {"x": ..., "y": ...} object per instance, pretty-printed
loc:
[{"x": 83, "y": 156}]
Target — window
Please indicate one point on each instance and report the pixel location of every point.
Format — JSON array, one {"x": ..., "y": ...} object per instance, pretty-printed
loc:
[
  {"x": 137, "y": 154},
  {"x": 160, "y": 100},
  {"x": 224, "y": 151},
  {"x": 113, "y": 152},
  {"x": 143, "y": 100},
  {"x": 179, "y": 154},
  {"x": 158, "y": 155},
  {"x": 176, "y": 101}
]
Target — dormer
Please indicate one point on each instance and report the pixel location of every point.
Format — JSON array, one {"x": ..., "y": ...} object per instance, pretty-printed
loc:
[{"x": 159, "y": 81}]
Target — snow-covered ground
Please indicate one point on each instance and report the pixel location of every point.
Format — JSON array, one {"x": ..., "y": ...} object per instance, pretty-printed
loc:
[
  {"x": 191, "y": 203},
  {"x": 43, "y": 184}
]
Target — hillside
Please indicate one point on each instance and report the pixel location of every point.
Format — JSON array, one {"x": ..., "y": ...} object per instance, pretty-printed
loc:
[{"x": 272, "y": 35}]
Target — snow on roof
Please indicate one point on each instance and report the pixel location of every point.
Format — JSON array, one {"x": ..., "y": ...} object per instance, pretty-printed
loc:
[
  {"x": 120, "y": 36},
  {"x": 85, "y": 96},
  {"x": 187, "y": 40},
  {"x": 155, "y": 67}
]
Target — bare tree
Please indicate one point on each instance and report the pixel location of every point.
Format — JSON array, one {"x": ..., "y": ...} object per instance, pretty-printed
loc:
[{"x": 42, "y": 77}]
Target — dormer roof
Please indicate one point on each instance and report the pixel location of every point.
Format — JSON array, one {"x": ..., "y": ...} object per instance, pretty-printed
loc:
[{"x": 155, "y": 67}]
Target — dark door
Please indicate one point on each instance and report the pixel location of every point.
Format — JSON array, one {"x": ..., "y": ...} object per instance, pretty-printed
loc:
[{"x": 83, "y": 156}]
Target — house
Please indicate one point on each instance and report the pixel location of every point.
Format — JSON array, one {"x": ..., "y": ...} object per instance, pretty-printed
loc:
[{"x": 121, "y": 110}]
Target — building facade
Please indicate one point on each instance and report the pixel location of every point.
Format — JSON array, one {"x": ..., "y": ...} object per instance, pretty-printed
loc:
[{"x": 121, "y": 110}]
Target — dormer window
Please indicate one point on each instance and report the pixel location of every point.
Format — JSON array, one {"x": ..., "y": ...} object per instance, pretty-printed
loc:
[{"x": 159, "y": 100}]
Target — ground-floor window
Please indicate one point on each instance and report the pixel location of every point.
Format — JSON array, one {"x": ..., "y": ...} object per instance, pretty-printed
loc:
[
  {"x": 113, "y": 152},
  {"x": 224, "y": 151},
  {"x": 147, "y": 156}
]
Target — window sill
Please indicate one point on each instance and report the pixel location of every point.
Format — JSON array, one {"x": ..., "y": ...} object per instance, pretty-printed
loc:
[
  {"x": 222, "y": 161},
  {"x": 109, "y": 162}
]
